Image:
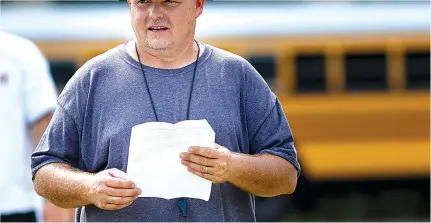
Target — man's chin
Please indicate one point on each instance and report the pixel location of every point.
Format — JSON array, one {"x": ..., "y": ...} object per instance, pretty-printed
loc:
[{"x": 159, "y": 44}]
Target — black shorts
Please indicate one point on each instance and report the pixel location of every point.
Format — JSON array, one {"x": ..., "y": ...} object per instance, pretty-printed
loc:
[{"x": 21, "y": 217}]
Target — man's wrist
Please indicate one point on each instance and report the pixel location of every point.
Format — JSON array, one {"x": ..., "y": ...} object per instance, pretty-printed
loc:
[
  {"x": 233, "y": 162},
  {"x": 88, "y": 192}
]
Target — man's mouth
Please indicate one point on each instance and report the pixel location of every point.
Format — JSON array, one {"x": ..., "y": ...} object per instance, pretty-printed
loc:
[{"x": 158, "y": 28}]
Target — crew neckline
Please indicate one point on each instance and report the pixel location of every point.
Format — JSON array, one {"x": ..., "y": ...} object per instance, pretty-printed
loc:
[{"x": 161, "y": 71}]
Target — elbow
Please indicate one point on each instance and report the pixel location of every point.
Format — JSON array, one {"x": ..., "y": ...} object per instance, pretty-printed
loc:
[
  {"x": 290, "y": 182},
  {"x": 39, "y": 188},
  {"x": 38, "y": 185},
  {"x": 288, "y": 187},
  {"x": 291, "y": 185},
  {"x": 283, "y": 186}
]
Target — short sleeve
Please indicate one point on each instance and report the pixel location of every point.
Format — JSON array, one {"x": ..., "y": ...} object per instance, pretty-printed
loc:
[
  {"x": 268, "y": 127},
  {"x": 59, "y": 143},
  {"x": 39, "y": 88}
]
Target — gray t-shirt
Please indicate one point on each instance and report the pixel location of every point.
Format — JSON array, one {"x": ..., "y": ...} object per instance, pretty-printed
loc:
[{"x": 98, "y": 107}]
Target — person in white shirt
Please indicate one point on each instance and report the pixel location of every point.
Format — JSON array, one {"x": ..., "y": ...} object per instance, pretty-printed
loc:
[{"x": 27, "y": 100}]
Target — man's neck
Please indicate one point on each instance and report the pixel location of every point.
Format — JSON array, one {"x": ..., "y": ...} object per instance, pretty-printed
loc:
[{"x": 165, "y": 59}]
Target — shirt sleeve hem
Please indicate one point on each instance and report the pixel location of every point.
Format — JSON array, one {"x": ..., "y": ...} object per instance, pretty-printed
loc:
[
  {"x": 292, "y": 160},
  {"x": 53, "y": 160}
]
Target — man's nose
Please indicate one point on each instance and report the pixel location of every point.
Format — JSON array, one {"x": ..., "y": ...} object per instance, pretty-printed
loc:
[{"x": 155, "y": 11}]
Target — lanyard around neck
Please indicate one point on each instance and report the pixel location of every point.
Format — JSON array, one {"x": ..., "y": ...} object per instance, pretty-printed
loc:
[{"x": 148, "y": 89}]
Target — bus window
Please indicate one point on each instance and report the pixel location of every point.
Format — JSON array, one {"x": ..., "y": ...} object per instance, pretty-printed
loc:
[
  {"x": 366, "y": 72},
  {"x": 418, "y": 70},
  {"x": 265, "y": 65},
  {"x": 62, "y": 71},
  {"x": 310, "y": 73}
]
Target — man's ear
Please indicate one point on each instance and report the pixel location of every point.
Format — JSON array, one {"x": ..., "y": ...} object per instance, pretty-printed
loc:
[
  {"x": 200, "y": 3},
  {"x": 199, "y": 7}
]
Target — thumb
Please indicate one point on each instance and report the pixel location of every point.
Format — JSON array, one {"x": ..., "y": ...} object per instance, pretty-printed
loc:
[{"x": 117, "y": 173}]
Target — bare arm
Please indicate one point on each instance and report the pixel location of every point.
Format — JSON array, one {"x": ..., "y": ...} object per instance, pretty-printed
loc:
[
  {"x": 263, "y": 175},
  {"x": 57, "y": 176},
  {"x": 51, "y": 213},
  {"x": 68, "y": 187},
  {"x": 63, "y": 185}
]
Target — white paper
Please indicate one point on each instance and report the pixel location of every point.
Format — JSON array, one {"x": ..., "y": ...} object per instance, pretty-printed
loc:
[{"x": 154, "y": 162}]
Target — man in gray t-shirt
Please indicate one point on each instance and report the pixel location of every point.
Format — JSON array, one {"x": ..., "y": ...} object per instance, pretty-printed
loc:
[{"x": 166, "y": 76}]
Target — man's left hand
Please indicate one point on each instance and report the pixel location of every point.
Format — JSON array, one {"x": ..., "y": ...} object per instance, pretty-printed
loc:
[{"x": 209, "y": 163}]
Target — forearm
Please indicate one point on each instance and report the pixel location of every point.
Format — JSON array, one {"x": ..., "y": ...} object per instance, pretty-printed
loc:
[
  {"x": 63, "y": 185},
  {"x": 263, "y": 175}
]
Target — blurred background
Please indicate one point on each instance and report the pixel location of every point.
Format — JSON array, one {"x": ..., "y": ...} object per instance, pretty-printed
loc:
[{"x": 352, "y": 76}]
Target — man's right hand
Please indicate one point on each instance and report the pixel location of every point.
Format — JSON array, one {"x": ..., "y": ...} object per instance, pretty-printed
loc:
[{"x": 111, "y": 190}]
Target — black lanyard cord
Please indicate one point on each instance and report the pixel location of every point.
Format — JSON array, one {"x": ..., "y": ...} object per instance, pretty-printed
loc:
[{"x": 148, "y": 89}]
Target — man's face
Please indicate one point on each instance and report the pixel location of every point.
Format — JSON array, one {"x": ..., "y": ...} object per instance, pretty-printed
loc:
[{"x": 160, "y": 24}]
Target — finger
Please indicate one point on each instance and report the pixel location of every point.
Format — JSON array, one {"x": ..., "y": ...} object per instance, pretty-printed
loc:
[
  {"x": 199, "y": 168},
  {"x": 120, "y": 200},
  {"x": 205, "y": 152},
  {"x": 120, "y": 183},
  {"x": 199, "y": 160},
  {"x": 114, "y": 206},
  {"x": 123, "y": 192},
  {"x": 203, "y": 175},
  {"x": 117, "y": 173}
]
